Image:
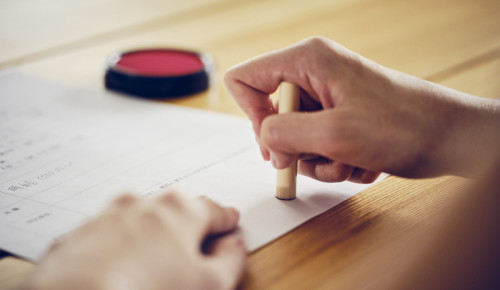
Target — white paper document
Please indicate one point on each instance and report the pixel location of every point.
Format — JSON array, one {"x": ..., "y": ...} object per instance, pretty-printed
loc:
[{"x": 66, "y": 152}]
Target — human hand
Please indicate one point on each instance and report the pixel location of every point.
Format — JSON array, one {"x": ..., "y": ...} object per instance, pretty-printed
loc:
[
  {"x": 147, "y": 244},
  {"x": 359, "y": 117}
]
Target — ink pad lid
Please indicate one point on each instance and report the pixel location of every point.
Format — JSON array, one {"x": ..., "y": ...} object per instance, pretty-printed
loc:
[{"x": 158, "y": 73}]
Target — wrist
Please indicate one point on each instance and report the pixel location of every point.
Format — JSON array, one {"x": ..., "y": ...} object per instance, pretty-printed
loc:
[{"x": 473, "y": 141}]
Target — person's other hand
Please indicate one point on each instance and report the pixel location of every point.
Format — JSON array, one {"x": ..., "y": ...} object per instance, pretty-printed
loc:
[
  {"x": 147, "y": 244},
  {"x": 359, "y": 118}
]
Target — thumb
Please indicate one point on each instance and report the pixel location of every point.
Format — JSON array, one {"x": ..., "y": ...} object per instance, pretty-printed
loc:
[
  {"x": 227, "y": 260},
  {"x": 288, "y": 135}
]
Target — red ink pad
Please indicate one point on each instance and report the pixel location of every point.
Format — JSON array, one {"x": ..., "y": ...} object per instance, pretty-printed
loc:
[{"x": 158, "y": 73}]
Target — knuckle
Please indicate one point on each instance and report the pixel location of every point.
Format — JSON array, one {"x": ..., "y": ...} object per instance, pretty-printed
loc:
[
  {"x": 311, "y": 50},
  {"x": 317, "y": 41},
  {"x": 125, "y": 200},
  {"x": 171, "y": 199},
  {"x": 318, "y": 47}
]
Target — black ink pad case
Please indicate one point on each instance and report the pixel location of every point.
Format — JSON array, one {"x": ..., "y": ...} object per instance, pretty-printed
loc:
[{"x": 159, "y": 73}]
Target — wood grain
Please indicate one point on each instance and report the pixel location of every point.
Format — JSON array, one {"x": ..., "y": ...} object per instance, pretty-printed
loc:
[{"x": 342, "y": 246}]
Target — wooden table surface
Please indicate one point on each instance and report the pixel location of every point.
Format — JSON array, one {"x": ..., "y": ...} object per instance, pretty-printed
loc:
[{"x": 452, "y": 42}]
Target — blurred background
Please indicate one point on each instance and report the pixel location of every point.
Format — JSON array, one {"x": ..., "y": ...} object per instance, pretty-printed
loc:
[{"x": 69, "y": 40}]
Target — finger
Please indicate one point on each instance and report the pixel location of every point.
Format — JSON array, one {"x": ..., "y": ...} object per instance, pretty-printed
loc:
[
  {"x": 220, "y": 219},
  {"x": 370, "y": 176},
  {"x": 252, "y": 82},
  {"x": 356, "y": 175},
  {"x": 174, "y": 206},
  {"x": 307, "y": 156},
  {"x": 206, "y": 216},
  {"x": 263, "y": 151},
  {"x": 364, "y": 176},
  {"x": 227, "y": 260},
  {"x": 172, "y": 200},
  {"x": 281, "y": 160},
  {"x": 325, "y": 170},
  {"x": 120, "y": 204},
  {"x": 284, "y": 140},
  {"x": 252, "y": 95},
  {"x": 298, "y": 133},
  {"x": 124, "y": 200}
]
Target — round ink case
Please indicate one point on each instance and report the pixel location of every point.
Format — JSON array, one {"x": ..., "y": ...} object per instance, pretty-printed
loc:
[{"x": 159, "y": 73}]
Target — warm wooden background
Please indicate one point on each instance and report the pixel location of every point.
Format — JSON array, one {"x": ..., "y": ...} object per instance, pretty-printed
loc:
[{"x": 452, "y": 42}]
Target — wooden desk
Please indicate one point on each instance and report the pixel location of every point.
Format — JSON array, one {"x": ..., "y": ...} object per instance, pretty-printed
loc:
[{"x": 452, "y": 42}]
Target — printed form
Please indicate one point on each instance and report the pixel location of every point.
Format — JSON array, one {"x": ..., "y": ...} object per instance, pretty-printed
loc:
[{"x": 66, "y": 152}]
